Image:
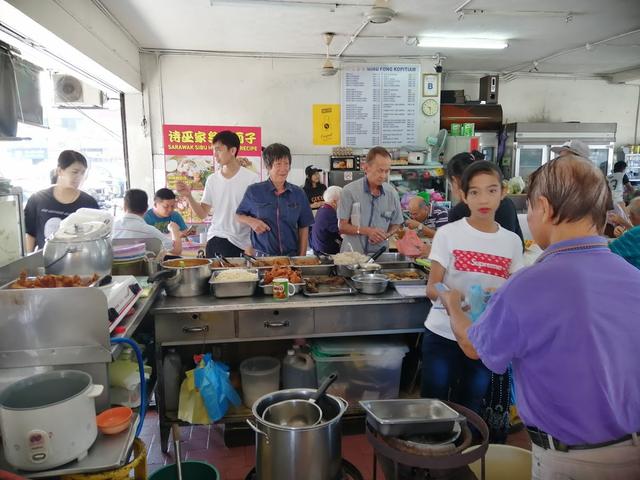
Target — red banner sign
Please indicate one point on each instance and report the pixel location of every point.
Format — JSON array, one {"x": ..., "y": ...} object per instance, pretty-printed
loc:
[{"x": 196, "y": 139}]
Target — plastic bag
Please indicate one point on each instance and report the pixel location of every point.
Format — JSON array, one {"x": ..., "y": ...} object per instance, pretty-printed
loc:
[
  {"x": 191, "y": 406},
  {"x": 212, "y": 380},
  {"x": 406, "y": 198},
  {"x": 410, "y": 245},
  {"x": 516, "y": 185}
]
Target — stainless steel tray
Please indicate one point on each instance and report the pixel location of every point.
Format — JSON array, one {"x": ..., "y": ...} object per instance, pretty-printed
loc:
[
  {"x": 232, "y": 289},
  {"x": 84, "y": 278},
  {"x": 411, "y": 416},
  {"x": 418, "y": 281},
  {"x": 268, "y": 288},
  {"x": 238, "y": 262},
  {"x": 329, "y": 291},
  {"x": 394, "y": 260},
  {"x": 324, "y": 268}
]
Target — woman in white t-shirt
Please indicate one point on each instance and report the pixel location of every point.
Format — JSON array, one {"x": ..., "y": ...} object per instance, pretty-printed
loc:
[{"x": 472, "y": 251}]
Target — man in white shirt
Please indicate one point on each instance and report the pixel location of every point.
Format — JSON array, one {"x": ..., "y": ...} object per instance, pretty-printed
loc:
[
  {"x": 133, "y": 225},
  {"x": 223, "y": 192},
  {"x": 619, "y": 183}
]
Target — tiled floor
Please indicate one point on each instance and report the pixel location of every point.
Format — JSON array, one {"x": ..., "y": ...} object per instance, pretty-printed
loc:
[{"x": 205, "y": 443}]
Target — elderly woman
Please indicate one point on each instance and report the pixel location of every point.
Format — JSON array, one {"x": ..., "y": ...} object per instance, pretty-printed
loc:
[
  {"x": 325, "y": 236},
  {"x": 568, "y": 325},
  {"x": 277, "y": 211}
]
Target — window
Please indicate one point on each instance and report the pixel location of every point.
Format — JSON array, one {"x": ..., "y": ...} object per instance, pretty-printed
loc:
[{"x": 94, "y": 132}]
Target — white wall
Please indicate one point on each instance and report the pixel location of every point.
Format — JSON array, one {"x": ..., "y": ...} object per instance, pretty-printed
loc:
[
  {"x": 538, "y": 99},
  {"x": 81, "y": 34},
  {"x": 275, "y": 94}
]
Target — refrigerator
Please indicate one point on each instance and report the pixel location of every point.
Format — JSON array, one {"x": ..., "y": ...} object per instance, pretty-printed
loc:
[{"x": 528, "y": 145}]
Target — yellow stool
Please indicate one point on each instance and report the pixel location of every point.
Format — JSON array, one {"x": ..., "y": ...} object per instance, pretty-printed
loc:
[{"x": 138, "y": 465}]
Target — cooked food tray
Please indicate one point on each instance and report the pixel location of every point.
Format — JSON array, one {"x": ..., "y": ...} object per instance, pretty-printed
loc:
[
  {"x": 410, "y": 416},
  {"x": 405, "y": 276},
  {"x": 327, "y": 286}
]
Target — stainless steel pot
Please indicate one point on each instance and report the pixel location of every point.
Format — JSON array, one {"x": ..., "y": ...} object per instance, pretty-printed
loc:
[
  {"x": 79, "y": 249},
  {"x": 48, "y": 419},
  {"x": 188, "y": 277},
  {"x": 370, "y": 283},
  {"x": 312, "y": 453}
]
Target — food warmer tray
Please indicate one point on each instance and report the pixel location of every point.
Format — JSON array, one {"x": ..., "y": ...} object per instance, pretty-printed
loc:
[
  {"x": 411, "y": 416},
  {"x": 96, "y": 283},
  {"x": 245, "y": 288},
  {"x": 418, "y": 281},
  {"x": 329, "y": 291}
]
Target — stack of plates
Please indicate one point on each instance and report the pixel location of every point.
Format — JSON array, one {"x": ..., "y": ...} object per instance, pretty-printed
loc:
[{"x": 128, "y": 253}]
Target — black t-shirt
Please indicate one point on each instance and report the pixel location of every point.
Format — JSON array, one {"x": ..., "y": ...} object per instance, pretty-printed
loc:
[
  {"x": 506, "y": 215},
  {"x": 315, "y": 194},
  {"x": 43, "y": 213}
]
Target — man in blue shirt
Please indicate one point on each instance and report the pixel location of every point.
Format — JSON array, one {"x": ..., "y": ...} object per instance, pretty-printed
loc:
[
  {"x": 277, "y": 211},
  {"x": 628, "y": 243},
  {"x": 163, "y": 212}
]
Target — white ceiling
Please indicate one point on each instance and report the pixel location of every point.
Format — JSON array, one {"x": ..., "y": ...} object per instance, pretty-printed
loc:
[{"x": 534, "y": 29}]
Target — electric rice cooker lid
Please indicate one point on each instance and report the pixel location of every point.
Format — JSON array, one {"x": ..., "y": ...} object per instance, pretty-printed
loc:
[{"x": 45, "y": 389}]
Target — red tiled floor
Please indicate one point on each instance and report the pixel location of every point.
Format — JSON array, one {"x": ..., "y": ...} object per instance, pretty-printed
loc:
[{"x": 206, "y": 443}]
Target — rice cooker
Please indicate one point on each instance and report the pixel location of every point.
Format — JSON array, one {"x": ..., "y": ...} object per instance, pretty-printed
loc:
[
  {"x": 416, "y": 158},
  {"x": 48, "y": 419}
]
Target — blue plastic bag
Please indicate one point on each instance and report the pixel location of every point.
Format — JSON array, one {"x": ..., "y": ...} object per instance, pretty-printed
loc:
[{"x": 212, "y": 380}]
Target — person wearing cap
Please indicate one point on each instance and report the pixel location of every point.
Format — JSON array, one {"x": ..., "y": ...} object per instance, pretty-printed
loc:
[
  {"x": 313, "y": 187},
  {"x": 568, "y": 326},
  {"x": 572, "y": 147},
  {"x": 369, "y": 211}
]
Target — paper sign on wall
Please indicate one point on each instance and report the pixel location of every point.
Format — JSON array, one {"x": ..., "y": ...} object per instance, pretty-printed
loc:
[{"x": 326, "y": 124}]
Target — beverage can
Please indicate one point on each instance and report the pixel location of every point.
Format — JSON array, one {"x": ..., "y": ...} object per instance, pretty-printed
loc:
[
  {"x": 455, "y": 129},
  {"x": 468, "y": 129}
]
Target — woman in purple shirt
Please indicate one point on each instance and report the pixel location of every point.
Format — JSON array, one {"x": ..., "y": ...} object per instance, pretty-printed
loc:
[
  {"x": 325, "y": 235},
  {"x": 570, "y": 327}
]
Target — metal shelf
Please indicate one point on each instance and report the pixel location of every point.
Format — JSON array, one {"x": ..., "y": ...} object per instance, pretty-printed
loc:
[{"x": 416, "y": 167}]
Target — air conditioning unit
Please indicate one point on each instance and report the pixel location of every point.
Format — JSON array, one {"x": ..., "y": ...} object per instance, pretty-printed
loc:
[{"x": 71, "y": 92}]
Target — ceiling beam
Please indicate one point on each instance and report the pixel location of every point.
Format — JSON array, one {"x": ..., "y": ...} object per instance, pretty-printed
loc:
[{"x": 626, "y": 76}]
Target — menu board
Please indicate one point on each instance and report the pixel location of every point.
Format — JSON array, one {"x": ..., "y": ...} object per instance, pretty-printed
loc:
[{"x": 380, "y": 105}]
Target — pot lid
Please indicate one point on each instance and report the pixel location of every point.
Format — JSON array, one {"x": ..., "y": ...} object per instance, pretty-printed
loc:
[{"x": 82, "y": 231}]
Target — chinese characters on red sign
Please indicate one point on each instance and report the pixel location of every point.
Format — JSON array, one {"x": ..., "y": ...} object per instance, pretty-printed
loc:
[{"x": 196, "y": 139}]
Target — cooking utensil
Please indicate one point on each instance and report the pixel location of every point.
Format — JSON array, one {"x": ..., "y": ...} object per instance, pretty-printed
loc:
[
  {"x": 79, "y": 249},
  {"x": 252, "y": 259},
  {"x": 411, "y": 416},
  {"x": 378, "y": 252},
  {"x": 370, "y": 283},
  {"x": 184, "y": 277},
  {"x": 175, "y": 429},
  {"x": 293, "y": 413},
  {"x": 48, "y": 419},
  {"x": 318, "y": 449}
]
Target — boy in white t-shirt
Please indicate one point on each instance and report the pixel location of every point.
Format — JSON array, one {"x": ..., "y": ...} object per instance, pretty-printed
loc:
[
  {"x": 223, "y": 192},
  {"x": 472, "y": 251},
  {"x": 619, "y": 183}
]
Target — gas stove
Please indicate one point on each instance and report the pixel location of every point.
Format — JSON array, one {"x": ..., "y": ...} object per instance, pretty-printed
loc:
[
  {"x": 122, "y": 292},
  {"x": 348, "y": 472}
]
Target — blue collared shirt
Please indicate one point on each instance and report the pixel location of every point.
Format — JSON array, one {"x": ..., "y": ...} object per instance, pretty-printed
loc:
[{"x": 284, "y": 214}]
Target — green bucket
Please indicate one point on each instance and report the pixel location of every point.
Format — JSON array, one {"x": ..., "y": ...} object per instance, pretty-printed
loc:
[{"x": 191, "y": 470}]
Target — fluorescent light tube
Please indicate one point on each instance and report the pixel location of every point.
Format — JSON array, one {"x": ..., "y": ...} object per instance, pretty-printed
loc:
[{"x": 462, "y": 43}]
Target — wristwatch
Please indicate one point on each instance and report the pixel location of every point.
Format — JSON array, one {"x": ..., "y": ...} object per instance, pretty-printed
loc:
[{"x": 358, "y": 231}]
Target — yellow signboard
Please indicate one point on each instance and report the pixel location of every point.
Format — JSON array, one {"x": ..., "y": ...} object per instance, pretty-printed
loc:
[{"x": 326, "y": 124}]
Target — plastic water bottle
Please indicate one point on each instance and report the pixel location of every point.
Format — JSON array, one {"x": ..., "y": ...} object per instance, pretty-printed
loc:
[
  {"x": 171, "y": 371},
  {"x": 298, "y": 370},
  {"x": 355, "y": 214}
]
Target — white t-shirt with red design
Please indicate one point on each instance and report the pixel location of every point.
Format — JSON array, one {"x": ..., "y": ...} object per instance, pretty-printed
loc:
[{"x": 471, "y": 257}]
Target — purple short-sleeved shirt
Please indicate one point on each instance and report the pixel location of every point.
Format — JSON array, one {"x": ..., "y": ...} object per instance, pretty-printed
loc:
[{"x": 570, "y": 325}]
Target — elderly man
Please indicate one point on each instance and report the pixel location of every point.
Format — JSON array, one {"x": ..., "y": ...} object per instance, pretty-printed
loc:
[
  {"x": 325, "y": 235},
  {"x": 568, "y": 326},
  {"x": 572, "y": 147},
  {"x": 426, "y": 219},
  {"x": 369, "y": 210},
  {"x": 627, "y": 245}
]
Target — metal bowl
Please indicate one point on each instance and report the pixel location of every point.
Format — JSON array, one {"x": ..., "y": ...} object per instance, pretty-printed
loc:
[
  {"x": 294, "y": 413},
  {"x": 370, "y": 283}
]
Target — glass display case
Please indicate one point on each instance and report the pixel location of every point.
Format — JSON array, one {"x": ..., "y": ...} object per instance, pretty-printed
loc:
[{"x": 418, "y": 178}]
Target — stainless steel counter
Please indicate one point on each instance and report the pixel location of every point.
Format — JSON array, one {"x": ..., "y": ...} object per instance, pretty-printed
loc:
[
  {"x": 209, "y": 320},
  {"x": 209, "y": 303}
]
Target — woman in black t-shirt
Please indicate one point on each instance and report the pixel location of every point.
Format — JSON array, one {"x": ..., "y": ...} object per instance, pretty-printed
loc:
[
  {"x": 47, "y": 208},
  {"x": 313, "y": 188}
]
